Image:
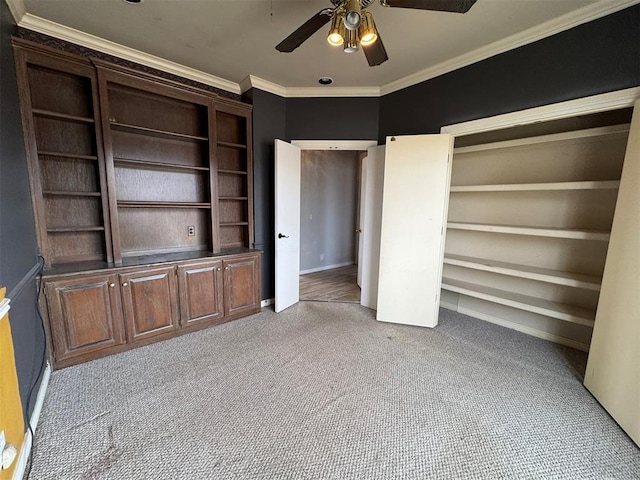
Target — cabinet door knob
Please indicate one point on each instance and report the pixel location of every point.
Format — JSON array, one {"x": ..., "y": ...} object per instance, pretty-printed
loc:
[
  {"x": 125, "y": 284},
  {"x": 112, "y": 285},
  {"x": 226, "y": 268},
  {"x": 218, "y": 268}
]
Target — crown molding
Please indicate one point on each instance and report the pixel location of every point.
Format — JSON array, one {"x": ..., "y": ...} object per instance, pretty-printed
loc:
[
  {"x": 297, "y": 92},
  {"x": 581, "y": 106},
  {"x": 533, "y": 34},
  {"x": 17, "y": 9},
  {"x": 72, "y": 35},
  {"x": 251, "y": 81}
]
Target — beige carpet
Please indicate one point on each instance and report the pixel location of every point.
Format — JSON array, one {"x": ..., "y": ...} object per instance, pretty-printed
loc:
[{"x": 323, "y": 391}]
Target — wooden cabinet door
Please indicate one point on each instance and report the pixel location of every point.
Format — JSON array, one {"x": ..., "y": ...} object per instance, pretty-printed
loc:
[
  {"x": 200, "y": 286},
  {"x": 150, "y": 302},
  {"x": 85, "y": 316},
  {"x": 242, "y": 286}
]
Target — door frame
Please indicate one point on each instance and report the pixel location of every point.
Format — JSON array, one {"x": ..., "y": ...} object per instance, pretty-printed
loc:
[
  {"x": 361, "y": 145},
  {"x": 336, "y": 145}
]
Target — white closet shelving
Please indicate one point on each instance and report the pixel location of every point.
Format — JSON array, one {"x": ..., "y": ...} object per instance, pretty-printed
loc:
[{"x": 528, "y": 227}]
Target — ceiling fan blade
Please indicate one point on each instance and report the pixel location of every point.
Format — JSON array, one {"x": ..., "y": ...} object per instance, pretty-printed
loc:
[
  {"x": 455, "y": 6},
  {"x": 304, "y": 31},
  {"x": 376, "y": 53}
]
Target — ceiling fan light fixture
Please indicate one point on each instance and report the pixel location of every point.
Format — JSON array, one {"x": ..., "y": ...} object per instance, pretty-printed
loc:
[
  {"x": 353, "y": 14},
  {"x": 351, "y": 41},
  {"x": 368, "y": 32},
  {"x": 336, "y": 32}
]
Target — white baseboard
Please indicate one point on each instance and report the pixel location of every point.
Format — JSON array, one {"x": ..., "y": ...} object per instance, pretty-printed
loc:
[
  {"x": 25, "y": 450},
  {"x": 267, "y": 302},
  {"x": 325, "y": 267}
]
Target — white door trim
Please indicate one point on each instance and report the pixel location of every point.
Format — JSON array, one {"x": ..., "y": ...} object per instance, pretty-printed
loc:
[
  {"x": 581, "y": 106},
  {"x": 334, "y": 144}
]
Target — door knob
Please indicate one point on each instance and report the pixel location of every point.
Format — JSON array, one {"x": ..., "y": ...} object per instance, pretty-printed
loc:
[
  {"x": 112, "y": 285},
  {"x": 282, "y": 236},
  {"x": 124, "y": 284}
]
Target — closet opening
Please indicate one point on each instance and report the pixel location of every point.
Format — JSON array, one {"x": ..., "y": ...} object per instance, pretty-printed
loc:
[{"x": 330, "y": 182}]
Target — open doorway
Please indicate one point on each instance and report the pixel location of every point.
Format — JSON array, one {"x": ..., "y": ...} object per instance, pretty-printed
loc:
[{"x": 329, "y": 225}]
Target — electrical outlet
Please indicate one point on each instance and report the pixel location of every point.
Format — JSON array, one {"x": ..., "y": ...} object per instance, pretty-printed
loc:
[{"x": 191, "y": 231}]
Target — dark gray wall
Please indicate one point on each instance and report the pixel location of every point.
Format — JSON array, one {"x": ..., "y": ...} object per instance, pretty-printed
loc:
[
  {"x": 329, "y": 185},
  {"x": 332, "y": 118},
  {"x": 269, "y": 121},
  {"x": 17, "y": 227},
  {"x": 599, "y": 56}
]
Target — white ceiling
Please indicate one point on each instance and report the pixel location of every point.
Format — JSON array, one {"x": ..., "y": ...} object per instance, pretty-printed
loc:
[{"x": 232, "y": 39}]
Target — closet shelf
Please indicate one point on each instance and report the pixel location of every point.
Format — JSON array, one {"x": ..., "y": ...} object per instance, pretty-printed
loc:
[
  {"x": 155, "y": 132},
  {"x": 156, "y": 165},
  {"x": 531, "y": 231},
  {"x": 64, "y": 193},
  {"x": 233, "y": 224},
  {"x": 232, "y": 172},
  {"x": 561, "y": 311},
  {"x": 523, "y": 187},
  {"x": 232, "y": 198},
  {"x": 622, "y": 129},
  {"x": 557, "y": 277},
  {"x": 231, "y": 145},
  {"x": 75, "y": 156},
  {"x": 147, "y": 204}
]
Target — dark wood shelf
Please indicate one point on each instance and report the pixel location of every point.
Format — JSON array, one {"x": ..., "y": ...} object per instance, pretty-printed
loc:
[
  {"x": 232, "y": 145},
  {"x": 232, "y": 198},
  {"x": 146, "y": 204},
  {"x": 157, "y": 133},
  {"x": 63, "y": 193},
  {"x": 157, "y": 165},
  {"x": 232, "y": 172},
  {"x": 74, "y": 156},
  {"x": 233, "y": 224},
  {"x": 61, "y": 116},
  {"x": 74, "y": 229}
]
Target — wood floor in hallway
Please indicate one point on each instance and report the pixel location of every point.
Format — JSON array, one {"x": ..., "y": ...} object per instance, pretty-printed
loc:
[{"x": 335, "y": 285}]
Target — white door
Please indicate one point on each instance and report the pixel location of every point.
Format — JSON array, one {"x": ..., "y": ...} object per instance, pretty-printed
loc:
[
  {"x": 417, "y": 174},
  {"x": 613, "y": 369},
  {"x": 371, "y": 219},
  {"x": 287, "y": 225}
]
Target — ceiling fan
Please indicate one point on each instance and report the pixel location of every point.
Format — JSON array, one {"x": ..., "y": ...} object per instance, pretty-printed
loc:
[{"x": 352, "y": 26}]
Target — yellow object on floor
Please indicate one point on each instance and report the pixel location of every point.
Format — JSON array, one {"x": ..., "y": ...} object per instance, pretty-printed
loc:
[{"x": 11, "y": 418}]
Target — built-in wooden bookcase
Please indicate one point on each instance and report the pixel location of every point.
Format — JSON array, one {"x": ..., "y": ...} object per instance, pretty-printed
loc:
[
  {"x": 158, "y": 154},
  {"x": 528, "y": 228},
  {"x": 235, "y": 176},
  {"x": 125, "y": 164},
  {"x": 64, "y": 137},
  {"x": 143, "y": 195}
]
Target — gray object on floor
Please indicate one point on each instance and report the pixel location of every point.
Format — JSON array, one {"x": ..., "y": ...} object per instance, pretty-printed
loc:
[{"x": 321, "y": 391}]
